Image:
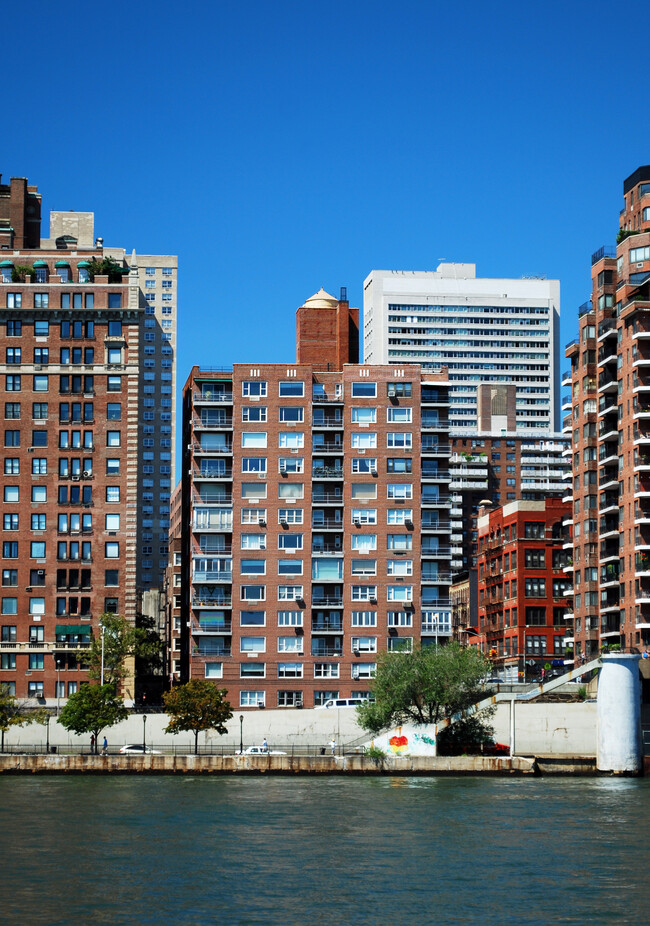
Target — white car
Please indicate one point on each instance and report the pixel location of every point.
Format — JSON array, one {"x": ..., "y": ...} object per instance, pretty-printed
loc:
[
  {"x": 137, "y": 749},
  {"x": 260, "y": 751}
]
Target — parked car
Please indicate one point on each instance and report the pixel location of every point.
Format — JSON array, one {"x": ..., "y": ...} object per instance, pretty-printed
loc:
[
  {"x": 260, "y": 751},
  {"x": 496, "y": 749},
  {"x": 341, "y": 702},
  {"x": 137, "y": 749}
]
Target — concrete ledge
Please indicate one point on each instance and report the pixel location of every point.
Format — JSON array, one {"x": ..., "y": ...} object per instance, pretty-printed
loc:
[
  {"x": 566, "y": 765},
  {"x": 260, "y": 765}
]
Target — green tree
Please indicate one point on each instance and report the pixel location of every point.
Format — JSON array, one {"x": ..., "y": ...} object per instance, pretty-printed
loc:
[
  {"x": 121, "y": 640},
  {"x": 198, "y": 705},
  {"x": 15, "y": 714},
  {"x": 92, "y": 709},
  {"x": 106, "y": 267},
  {"x": 427, "y": 685}
]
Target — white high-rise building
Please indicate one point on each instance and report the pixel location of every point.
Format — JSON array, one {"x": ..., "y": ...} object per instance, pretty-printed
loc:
[{"x": 485, "y": 331}]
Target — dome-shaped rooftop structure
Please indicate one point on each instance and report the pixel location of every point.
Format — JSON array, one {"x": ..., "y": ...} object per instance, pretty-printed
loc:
[{"x": 322, "y": 300}]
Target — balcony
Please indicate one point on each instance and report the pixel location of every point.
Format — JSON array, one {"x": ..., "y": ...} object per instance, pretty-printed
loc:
[
  {"x": 211, "y": 649},
  {"x": 327, "y": 472},
  {"x": 211, "y": 576},
  {"x": 212, "y": 627},
  {"x": 327, "y": 421},
  {"x": 212, "y": 601},
  {"x": 607, "y": 383},
  {"x": 434, "y": 524},
  {"x": 327, "y": 647},
  {"x": 322, "y": 398},
  {"x": 218, "y": 397},
  {"x": 213, "y": 422},
  {"x": 327, "y": 498},
  {"x": 433, "y": 423},
  {"x": 327, "y": 447},
  {"x": 435, "y": 475},
  {"x": 435, "y": 501},
  {"x": 327, "y": 524},
  {"x": 208, "y": 450},
  {"x": 220, "y": 473},
  {"x": 327, "y": 625},
  {"x": 319, "y": 600},
  {"x": 435, "y": 448}
]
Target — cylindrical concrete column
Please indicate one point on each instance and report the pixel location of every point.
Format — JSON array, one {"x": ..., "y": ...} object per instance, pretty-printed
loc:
[{"x": 619, "y": 715}]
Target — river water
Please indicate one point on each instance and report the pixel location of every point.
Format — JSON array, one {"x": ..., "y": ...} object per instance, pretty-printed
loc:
[{"x": 296, "y": 851}]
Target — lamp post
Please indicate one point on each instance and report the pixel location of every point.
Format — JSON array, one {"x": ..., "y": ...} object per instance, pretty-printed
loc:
[
  {"x": 102, "y": 674},
  {"x": 241, "y": 734},
  {"x": 47, "y": 735},
  {"x": 58, "y": 684},
  {"x": 144, "y": 731}
]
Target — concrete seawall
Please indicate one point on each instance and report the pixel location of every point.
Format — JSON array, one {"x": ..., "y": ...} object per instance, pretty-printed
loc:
[{"x": 262, "y": 765}]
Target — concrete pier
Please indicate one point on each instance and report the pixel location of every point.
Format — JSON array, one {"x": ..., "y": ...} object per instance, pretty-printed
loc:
[{"x": 619, "y": 715}]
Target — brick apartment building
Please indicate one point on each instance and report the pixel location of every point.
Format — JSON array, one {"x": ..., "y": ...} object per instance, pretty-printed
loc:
[
  {"x": 75, "y": 407},
  {"x": 316, "y": 518},
  {"x": 607, "y": 414},
  {"x": 521, "y": 587}
]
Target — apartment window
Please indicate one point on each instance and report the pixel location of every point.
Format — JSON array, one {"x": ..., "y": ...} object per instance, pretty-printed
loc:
[
  {"x": 12, "y": 466},
  {"x": 364, "y": 415},
  {"x": 400, "y": 490},
  {"x": 252, "y": 618},
  {"x": 399, "y": 439},
  {"x": 364, "y": 592},
  {"x": 291, "y": 490},
  {"x": 12, "y": 382},
  {"x": 290, "y": 619},
  {"x": 254, "y": 388},
  {"x": 252, "y": 698},
  {"x": 290, "y": 541},
  {"x": 399, "y": 464},
  {"x": 253, "y": 593},
  {"x": 359, "y": 567},
  {"x": 39, "y": 411},
  {"x": 289, "y": 567},
  {"x": 364, "y": 516},
  {"x": 535, "y": 588},
  {"x": 253, "y": 541},
  {"x": 399, "y": 415},
  {"x": 364, "y": 465},
  {"x": 536, "y": 617},
  {"x": 112, "y": 550},
  {"x": 363, "y": 441},
  {"x": 399, "y": 593},
  {"x": 399, "y": 542},
  {"x": 291, "y": 414},
  {"x": 290, "y": 593},
  {"x": 291, "y": 644},
  {"x": 364, "y": 644},
  {"x": 400, "y": 618},
  {"x": 291, "y": 464},
  {"x": 253, "y": 440},
  {"x": 364, "y": 542},
  {"x": 290, "y": 670},
  {"x": 291, "y": 388},
  {"x": 399, "y": 567},
  {"x": 364, "y": 390},
  {"x": 9, "y": 577},
  {"x": 399, "y": 515},
  {"x": 38, "y": 522},
  {"x": 291, "y": 441},
  {"x": 254, "y": 413},
  {"x": 364, "y": 618},
  {"x": 534, "y": 530},
  {"x": 10, "y": 522}
]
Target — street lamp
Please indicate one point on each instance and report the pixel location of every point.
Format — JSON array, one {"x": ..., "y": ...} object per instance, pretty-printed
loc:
[
  {"x": 58, "y": 683},
  {"x": 241, "y": 734},
  {"x": 144, "y": 730}
]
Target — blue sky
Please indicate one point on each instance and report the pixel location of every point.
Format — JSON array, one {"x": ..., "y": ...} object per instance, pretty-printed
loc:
[{"x": 280, "y": 146}]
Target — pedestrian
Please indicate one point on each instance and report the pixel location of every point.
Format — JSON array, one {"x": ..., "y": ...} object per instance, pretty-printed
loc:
[
  {"x": 265, "y": 746},
  {"x": 332, "y": 746},
  {"x": 105, "y": 747},
  {"x": 92, "y": 743}
]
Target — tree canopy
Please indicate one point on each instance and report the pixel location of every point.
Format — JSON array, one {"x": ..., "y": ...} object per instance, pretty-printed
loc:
[
  {"x": 14, "y": 714},
  {"x": 426, "y": 686},
  {"x": 121, "y": 640},
  {"x": 92, "y": 709},
  {"x": 198, "y": 705}
]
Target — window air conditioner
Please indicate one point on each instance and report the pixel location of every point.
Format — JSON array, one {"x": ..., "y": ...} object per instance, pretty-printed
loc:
[
  {"x": 87, "y": 473},
  {"x": 75, "y": 478}
]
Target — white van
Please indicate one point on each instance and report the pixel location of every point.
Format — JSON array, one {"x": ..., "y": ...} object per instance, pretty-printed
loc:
[{"x": 341, "y": 702}]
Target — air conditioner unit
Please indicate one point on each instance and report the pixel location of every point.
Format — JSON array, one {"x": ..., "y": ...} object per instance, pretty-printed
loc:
[
  {"x": 357, "y": 522},
  {"x": 356, "y": 652},
  {"x": 40, "y": 572},
  {"x": 262, "y": 521},
  {"x": 75, "y": 478},
  {"x": 373, "y": 472},
  {"x": 87, "y": 473},
  {"x": 372, "y": 600},
  {"x": 284, "y": 522}
]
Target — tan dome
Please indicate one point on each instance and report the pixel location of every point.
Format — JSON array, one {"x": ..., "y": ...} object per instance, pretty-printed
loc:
[{"x": 322, "y": 300}]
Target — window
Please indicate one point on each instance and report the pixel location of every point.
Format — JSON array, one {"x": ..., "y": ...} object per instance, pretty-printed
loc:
[
  {"x": 254, "y": 413},
  {"x": 364, "y": 465},
  {"x": 12, "y": 355},
  {"x": 10, "y": 577},
  {"x": 253, "y": 439},
  {"x": 364, "y": 542},
  {"x": 291, "y": 490},
  {"x": 400, "y": 490},
  {"x": 290, "y": 541},
  {"x": 290, "y": 670},
  {"x": 399, "y": 541},
  {"x": 113, "y": 438},
  {"x": 364, "y": 415},
  {"x": 364, "y": 644},
  {"x": 364, "y": 592},
  {"x": 252, "y": 618},
  {"x": 364, "y": 390},
  {"x": 364, "y": 516},
  {"x": 214, "y": 670},
  {"x": 112, "y": 522},
  {"x": 290, "y": 593},
  {"x": 291, "y": 441},
  {"x": 12, "y": 438},
  {"x": 291, "y": 464},
  {"x": 253, "y": 567},
  {"x": 12, "y": 466},
  {"x": 12, "y": 382},
  {"x": 399, "y": 567},
  {"x": 292, "y": 388},
  {"x": 252, "y": 698},
  {"x": 37, "y": 549},
  {"x": 399, "y": 415},
  {"x": 535, "y": 559},
  {"x": 38, "y": 522},
  {"x": 399, "y": 515},
  {"x": 291, "y": 644},
  {"x": 10, "y": 522},
  {"x": 399, "y": 390},
  {"x": 253, "y": 593},
  {"x": 534, "y": 530},
  {"x": 364, "y": 618},
  {"x": 290, "y": 619},
  {"x": 253, "y": 644},
  {"x": 112, "y": 550},
  {"x": 291, "y": 414},
  {"x": 39, "y": 411},
  {"x": 289, "y": 567},
  {"x": 252, "y": 670},
  {"x": 399, "y": 593},
  {"x": 364, "y": 441},
  {"x": 399, "y": 464},
  {"x": 400, "y": 619},
  {"x": 12, "y": 410},
  {"x": 399, "y": 439},
  {"x": 535, "y": 588},
  {"x": 252, "y": 388},
  {"x": 253, "y": 541},
  {"x": 11, "y": 494},
  {"x": 112, "y": 466},
  {"x": 41, "y": 383}
]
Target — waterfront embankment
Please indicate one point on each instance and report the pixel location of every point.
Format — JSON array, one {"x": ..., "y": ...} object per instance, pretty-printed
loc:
[{"x": 19, "y": 764}]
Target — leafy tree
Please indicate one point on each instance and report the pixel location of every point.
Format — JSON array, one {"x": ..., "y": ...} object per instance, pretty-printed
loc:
[
  {"x": 106, "y": 267},
  {"x": 427, "y": 685},
  {"x": 121, "y": 641},
  {"x": 198, "y": 705},
  {"x": 14, "y": 714},
  {"x": 92, "y": 709}
]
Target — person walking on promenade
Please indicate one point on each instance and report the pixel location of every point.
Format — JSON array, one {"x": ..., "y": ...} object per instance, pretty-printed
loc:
[
  {"x": 332, "y": 746},
  {"x": 105, "y": 747}
]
